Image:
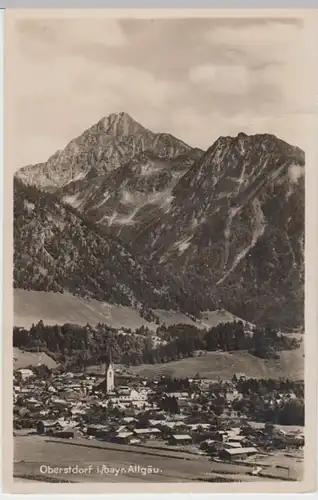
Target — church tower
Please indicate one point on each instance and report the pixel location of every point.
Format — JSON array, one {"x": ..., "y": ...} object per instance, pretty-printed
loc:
[{"x": 109, "y": 374}]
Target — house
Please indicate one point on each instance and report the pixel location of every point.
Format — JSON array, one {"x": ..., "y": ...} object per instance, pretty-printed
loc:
[
  {"x": 219, "y": 435},
  {"x": 181, "y": 396},
  {"x": 122, "y": 428},
  {"x": 198, "y": 427},
  {"x": 67, "y": 423},
  {"x": 155, "y": 422},
  {"x": 237, "y": 453},
  {"x": 71, "y": 394},
  {"x": 177, "y": 417},
  {"x": 134, "y": 440},
  {"x": 210, "y": 446},
  {"x": 44, "y": 412},
  {"x": 58, "y": 402},
  {"x": 229, "y": 445},
  {"x": 129, "y": 420},
  {"x": 66, "y": 433},
  {"x": 234, "y": 431},
  {"x": 98, "y": 430},
  {"x": 123, "y": 390},
  {"x": 173, "y": 425},
  {"x": 124, "y": 437},
  {"x": 24, "y": 374},
  {"x": 235, "y": 439},
  {"x": 77, "y": 410},
  {"x": 32, "y": 402},
  {"x": 25, "y": 390},
  {"x": 127, "y": 395},
  {"x": 180, "y": 439},
  {"x": 148, "y": 433}
]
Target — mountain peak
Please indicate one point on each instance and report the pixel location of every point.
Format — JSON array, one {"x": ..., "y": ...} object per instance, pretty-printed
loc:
[
  {"x": 122, "y": 124},
  {"x": 104, "y": 147},
  {"x": 241, "y": 135},
  {"x": 268, "y": 143}
]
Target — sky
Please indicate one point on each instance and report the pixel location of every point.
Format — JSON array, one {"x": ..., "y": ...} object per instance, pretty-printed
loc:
[{"x": 194, "y": 78}]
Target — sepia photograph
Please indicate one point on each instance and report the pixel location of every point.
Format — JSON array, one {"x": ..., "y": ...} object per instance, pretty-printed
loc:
[{"x": 157, "y": 170}]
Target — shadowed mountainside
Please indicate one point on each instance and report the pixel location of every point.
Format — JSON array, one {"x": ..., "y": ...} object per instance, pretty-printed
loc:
[{"x": 169, "y": 226}]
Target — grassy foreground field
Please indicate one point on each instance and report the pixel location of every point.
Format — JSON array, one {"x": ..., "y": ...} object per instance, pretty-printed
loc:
[{"x": 32, "y": 451}]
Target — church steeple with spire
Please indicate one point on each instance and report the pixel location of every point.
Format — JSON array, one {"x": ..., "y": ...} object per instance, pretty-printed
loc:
[{"x": 109, "y": 373}]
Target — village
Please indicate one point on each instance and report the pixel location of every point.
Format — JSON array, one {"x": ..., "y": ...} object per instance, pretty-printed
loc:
[{"x": 196, "y": 416}]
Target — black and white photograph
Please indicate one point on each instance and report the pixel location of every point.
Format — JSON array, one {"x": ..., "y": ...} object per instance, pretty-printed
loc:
[{"x": 158, "y": 177}]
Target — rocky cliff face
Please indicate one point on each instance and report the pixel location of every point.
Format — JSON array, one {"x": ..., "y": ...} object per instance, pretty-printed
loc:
[
  {"x": 235, "y": 228},
  {"x": 106, "y": 146},
  {"x": 132, "y": 194},
  {"x": 224, "y": 228}
]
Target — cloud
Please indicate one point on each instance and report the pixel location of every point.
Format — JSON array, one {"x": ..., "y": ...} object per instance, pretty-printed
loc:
[
  {"x": 206, "y": 128},
  {"x": 72, "y": 33},
  {"x": 196, "y": 79},
  {"x": 231, "y": 78},
  {"x": 64, "y": 94},
  {"x": 271, "y": 62},
  {"x": 135, "y": 85},
  {"x": 270, "y": 41}
]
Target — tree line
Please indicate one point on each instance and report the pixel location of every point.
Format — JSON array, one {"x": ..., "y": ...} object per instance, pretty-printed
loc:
[{"x": 78, "y": 346}]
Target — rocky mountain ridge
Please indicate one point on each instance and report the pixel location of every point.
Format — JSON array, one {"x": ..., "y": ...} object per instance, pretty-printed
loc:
[
  {"x": 236, "y": 221},
  {"x": 104, "y": 147},
  {"x": 121, "y": 197},
  {"x": 222, "y": 228}
]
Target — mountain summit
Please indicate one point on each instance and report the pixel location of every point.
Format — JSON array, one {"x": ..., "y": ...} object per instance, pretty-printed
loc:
[
  {"x": 104, "y": 147},
  {"x": 122, "y": 123}
]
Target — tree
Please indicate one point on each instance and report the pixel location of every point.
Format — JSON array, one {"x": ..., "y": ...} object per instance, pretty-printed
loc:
[
  {"x": 292, "y": 413},
  {"x": 143, "y": 421}
]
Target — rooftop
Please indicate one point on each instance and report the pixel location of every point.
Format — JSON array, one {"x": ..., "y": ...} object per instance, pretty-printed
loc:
[
  {"x": 146, "y": 431},
  {"x": 181, "y": 436},
  {"x": 241, "y": 451}
]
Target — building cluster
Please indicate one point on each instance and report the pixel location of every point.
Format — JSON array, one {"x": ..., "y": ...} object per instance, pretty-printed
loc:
[{"x": 142, "y": 412}]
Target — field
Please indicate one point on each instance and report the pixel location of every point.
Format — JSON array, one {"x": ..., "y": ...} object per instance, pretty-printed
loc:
[
  {"x": 223, "y": 365},
  {"x": 208, "y": 319},
  {"x": 22, "y": 359},
  {"x": 57, "y": 308},
  {"x": 211, "y": 365},
  {"x": 32, "y": 451}
]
